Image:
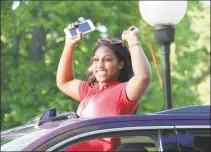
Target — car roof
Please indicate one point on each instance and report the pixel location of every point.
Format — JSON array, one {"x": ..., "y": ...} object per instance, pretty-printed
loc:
[{"x": 197, "y": 109}]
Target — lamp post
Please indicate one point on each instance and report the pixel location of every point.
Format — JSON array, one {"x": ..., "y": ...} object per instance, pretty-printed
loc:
[{"x": 163, "y": 15}]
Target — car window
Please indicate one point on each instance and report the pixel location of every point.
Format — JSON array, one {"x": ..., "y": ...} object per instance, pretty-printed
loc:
[
  {"x": 185, "y": 139},
  {"x": 201, "y": 139},
  {"x": 149, "y": 143},
  {"x": 130, "y": 140},
  {"x": 4, "y": 141},
  {"x": 168, "y": 140}
]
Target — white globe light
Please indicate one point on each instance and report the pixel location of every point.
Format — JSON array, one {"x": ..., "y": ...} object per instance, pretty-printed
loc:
[
  {"x": 162, "y": 12},
  {"x": 205, "y": 2}
]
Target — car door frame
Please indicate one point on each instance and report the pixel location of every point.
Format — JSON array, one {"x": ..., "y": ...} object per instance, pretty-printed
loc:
[{"x": 112, "y": 127}]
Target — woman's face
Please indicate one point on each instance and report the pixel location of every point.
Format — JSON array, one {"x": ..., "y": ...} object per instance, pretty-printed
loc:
[{"x": 105, "y": 65}]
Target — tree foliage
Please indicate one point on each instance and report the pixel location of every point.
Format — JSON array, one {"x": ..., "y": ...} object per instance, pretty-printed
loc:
[{"x": 32, "y": 40}]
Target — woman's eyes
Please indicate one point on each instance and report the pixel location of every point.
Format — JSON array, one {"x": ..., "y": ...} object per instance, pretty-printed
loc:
[
  {"x": 95, "y": 60},
  {"x": 108, "y": 59},
  {"x": 104, "y": 60}
]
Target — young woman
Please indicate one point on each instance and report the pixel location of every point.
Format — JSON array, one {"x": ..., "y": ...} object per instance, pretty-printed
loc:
[{"x": 117, "y": 78}]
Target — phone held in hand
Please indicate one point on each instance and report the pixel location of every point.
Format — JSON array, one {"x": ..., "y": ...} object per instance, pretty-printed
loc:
[{"x": 84, "y": 27}]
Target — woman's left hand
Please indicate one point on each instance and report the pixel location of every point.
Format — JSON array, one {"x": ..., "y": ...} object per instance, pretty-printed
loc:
[{"x": 131, "y": 34}]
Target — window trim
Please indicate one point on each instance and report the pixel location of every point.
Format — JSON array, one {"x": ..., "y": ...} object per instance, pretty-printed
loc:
[
  {"x": 105, "y": 131},
  {"x": 193, "y": 127},
  {"x": 160, "y": 141}
]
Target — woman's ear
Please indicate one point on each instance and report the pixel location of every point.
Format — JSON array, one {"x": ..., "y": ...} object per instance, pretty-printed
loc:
[{"x": 121, "y": 65}]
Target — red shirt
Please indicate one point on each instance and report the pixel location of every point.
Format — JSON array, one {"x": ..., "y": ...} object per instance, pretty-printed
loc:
[{"x": 109, "y": 101}]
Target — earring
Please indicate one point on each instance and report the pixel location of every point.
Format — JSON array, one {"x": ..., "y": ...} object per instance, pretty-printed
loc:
[{"x": 120, "y": 68}]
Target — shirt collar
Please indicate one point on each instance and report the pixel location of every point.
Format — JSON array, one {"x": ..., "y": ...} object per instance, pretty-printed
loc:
[{"x": 106, "y": 85}]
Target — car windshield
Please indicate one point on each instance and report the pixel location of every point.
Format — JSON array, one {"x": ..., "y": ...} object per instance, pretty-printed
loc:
[
  {"x": 21, "y": 142},
  {"x": 18, "y": 138},
  {"x": 17, "y": 132}
]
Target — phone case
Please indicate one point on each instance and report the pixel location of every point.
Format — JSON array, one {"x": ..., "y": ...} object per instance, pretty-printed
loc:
[{"x": 91, "y": 26}]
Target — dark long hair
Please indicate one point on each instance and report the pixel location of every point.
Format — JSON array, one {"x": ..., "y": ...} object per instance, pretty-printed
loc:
[{"x": 122, "y": 53}]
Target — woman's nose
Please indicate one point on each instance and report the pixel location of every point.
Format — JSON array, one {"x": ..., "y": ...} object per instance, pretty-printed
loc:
[{"x": 101, "y": 64}]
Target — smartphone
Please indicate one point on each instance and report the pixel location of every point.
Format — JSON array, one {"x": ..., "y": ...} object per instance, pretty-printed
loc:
[{"x": 84, "y": 27}]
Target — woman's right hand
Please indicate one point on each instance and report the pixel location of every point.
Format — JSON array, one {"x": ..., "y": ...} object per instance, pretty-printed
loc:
[
  {"x": 131, "y": 34},
  {"x": 74, "y": 40}
]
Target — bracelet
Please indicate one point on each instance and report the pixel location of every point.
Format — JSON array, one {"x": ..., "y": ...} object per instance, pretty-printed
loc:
[{"x": 138, "y": 43}]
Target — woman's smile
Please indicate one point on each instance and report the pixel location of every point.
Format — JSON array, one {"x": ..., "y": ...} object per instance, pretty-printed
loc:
[{"x": 101, "y": 72}]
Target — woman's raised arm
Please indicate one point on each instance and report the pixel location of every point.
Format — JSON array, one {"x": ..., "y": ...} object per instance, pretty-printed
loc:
[
  {"x": 141, "y": 67},
  {"x": 65, "y": 79}
]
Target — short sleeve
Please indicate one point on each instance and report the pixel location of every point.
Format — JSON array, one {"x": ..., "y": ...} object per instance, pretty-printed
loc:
[
  {"x": 129, "y": 107},
  {"x": 83, "y": 89}
]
